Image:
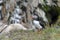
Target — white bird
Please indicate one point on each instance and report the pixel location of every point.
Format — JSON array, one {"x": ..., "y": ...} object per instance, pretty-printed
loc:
[
  {"x": 36, "y": 24},
  {"x": 18, "y": 10},
  {"x": 17, "y": 16}
]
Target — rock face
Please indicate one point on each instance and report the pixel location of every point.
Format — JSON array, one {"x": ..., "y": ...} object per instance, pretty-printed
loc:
[
  {"x": 59, "y": 3},
  {"x": 35, "y": 13}
]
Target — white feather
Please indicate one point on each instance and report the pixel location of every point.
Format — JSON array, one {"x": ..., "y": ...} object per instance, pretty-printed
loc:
[
  {"x": 0, "y": 7},
  {"x": 1, "y": 1},
  {"x": 18, "y": 10},
  {"x": 37, "y": 25}
]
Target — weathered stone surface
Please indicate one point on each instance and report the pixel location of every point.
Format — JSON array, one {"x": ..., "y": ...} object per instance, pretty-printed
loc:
[{"x": 26, "y": 12}]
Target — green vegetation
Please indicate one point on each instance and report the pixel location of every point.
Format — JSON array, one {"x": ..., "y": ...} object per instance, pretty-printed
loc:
[{"x": 47, "y": 34}]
